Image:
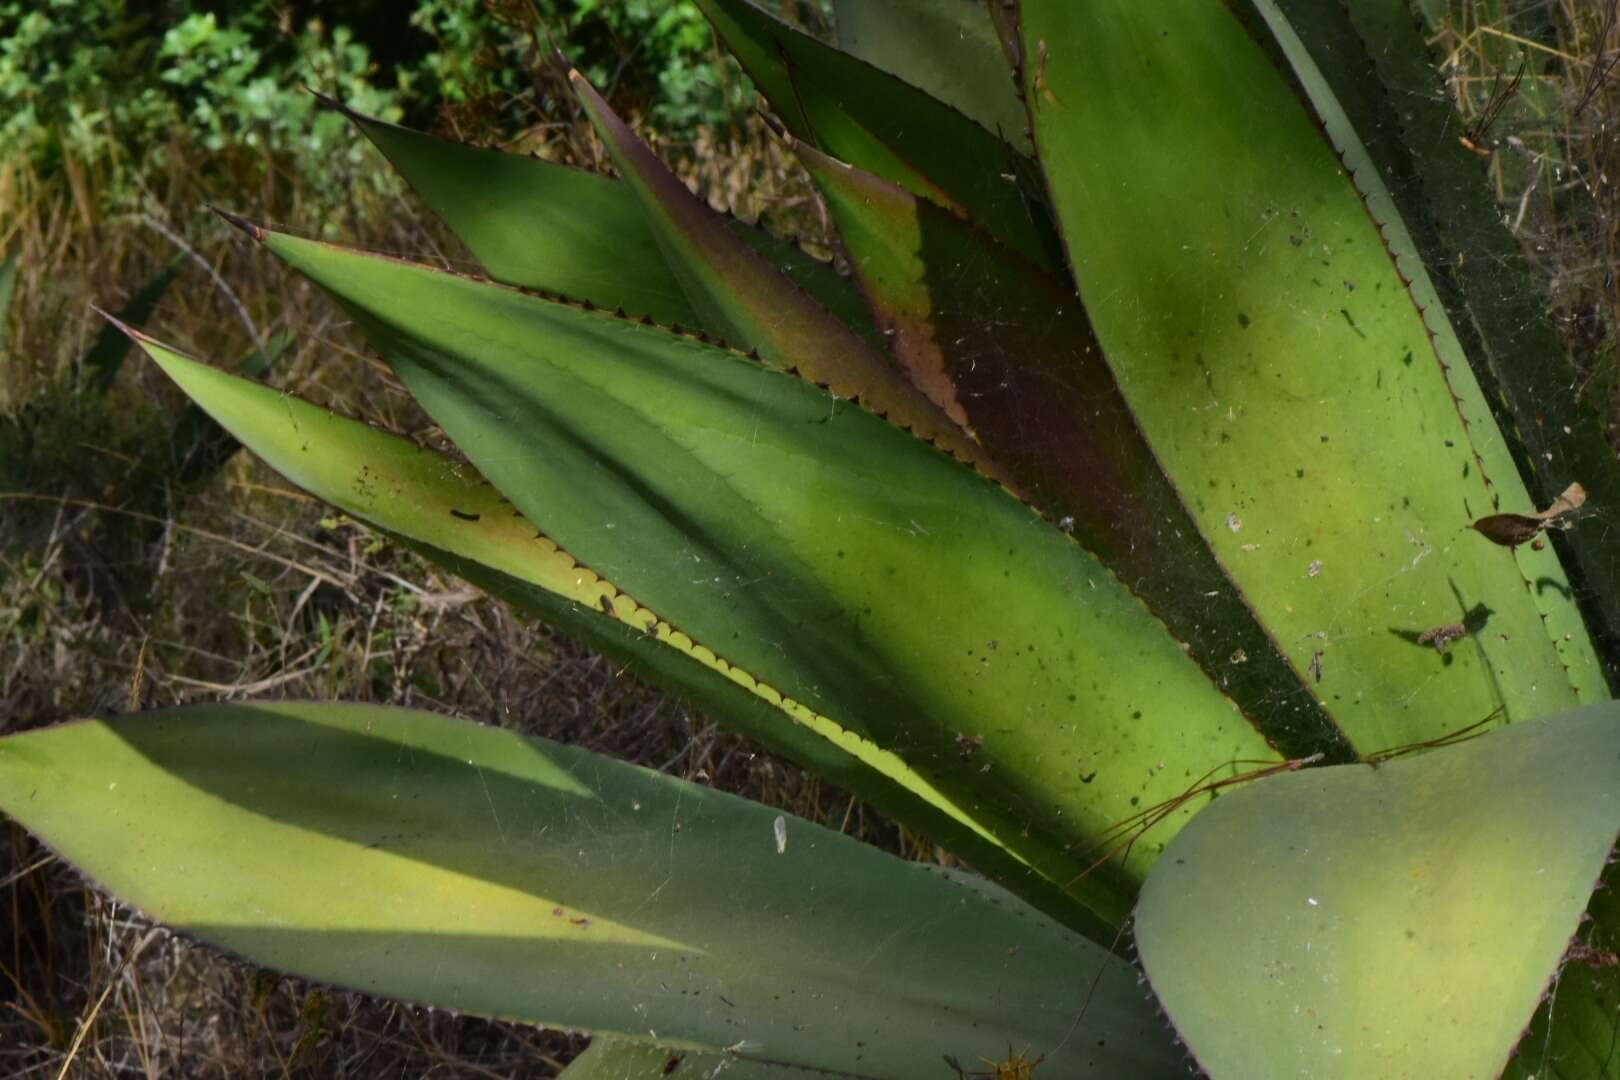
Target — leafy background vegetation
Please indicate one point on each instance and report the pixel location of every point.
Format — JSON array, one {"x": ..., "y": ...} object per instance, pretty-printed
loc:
[{"x": 123, "y": 585}]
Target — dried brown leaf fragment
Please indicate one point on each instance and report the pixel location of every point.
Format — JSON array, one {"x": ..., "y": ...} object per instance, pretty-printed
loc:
[{"x": 1511, "y": 530}]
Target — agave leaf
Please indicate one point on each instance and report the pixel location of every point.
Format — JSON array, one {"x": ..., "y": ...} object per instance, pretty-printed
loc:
[
  {"x": 442, "y": 862},
  {"x": 198, "y": 446},
  {"x": 1482, "y": 302},
  {"x": 447, "y": 512},
  {"x": 1258, "y": 328},
  {"x": 1398, "y": 919},
  {"x": 547, "y": 226},
  {"x": 802, "y": 540},
  {"x": 1032, "y": 384},
  {"x": 101, "y": 362},
  {"x": 863, "y": 115},
  {"x": 621, "y": 1059},
  {"x": 754, "y": 306},
  {"x": 8, "y": 289},
  {"x": 1576, "y": 1031},
  {"x": 947, "y": 48},
  {"x": 535, "y": 223}
]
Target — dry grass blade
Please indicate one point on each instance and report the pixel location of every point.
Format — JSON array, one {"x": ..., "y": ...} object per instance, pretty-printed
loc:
[
  {"x": 1120, "y": 837},
  {"x": 89, "y": 1019},
  {"x": 1472, "y": 731},
  {"x": 1602, "y": 63}
]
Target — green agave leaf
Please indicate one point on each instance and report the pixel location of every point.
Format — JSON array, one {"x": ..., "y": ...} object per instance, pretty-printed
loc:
[
  {"x": 1402, "y": 919},
  {"x": 1576, "y": 1032},
  {"x": 1283, "y": 376},
  {"x": 802, "y": 540},
  {"x": 537, "y": 224},
  {"x": 427, "y": 858},
  {"x": 563, "y": 230},
  {"x": 198, "y": 446},
  {"x": 1482, "y": 302},
  {"x": 947, "y": 48},
  {"x": 754, "y": 306},
  {"x": 620, "y": 1059},
  {"x": 863, "y": 115},
  {"x": 1032, "y": 384},
  {"x": 447, "y": 512},
  {"x": 101, "y": 362},
  {"x": 8, "y": 289},
  {"x": 1368, "y": 161}
]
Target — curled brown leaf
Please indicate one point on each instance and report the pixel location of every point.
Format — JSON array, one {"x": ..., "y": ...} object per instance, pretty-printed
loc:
[{"x": 1511, "y": 530}]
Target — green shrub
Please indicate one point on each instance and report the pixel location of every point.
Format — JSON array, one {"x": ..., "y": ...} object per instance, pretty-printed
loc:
[
  {"x": 112, "y": 83},
  {"x": 112, "y": 87}
]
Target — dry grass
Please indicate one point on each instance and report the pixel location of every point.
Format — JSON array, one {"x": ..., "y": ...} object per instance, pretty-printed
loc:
[
  {"x": 249, "y": 588},
  {"x": 1556, "y": 159}
]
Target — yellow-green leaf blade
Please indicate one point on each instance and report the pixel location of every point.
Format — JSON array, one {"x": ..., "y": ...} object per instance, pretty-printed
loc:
[
  {"x": 1271, "y": 351},
  {"x": 446, "y": 511},
  {"x": 1397, "y": 920},
  {"x": 432, "y": 859},
  {"x": 1576, "y": 1032},
  {"x": 1430, "y": 194}
]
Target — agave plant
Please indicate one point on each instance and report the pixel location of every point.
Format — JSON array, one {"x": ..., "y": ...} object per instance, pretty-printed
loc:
[{"x": 1179, "y": 514}]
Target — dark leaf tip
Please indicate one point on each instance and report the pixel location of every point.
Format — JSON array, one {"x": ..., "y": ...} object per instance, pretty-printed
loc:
[
  {"x": 329, "y": 102},
  {"x": 257, "y": 232},
  {"x": 123, "y": 327}
]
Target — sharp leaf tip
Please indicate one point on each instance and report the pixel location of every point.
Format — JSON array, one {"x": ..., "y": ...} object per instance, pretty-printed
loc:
[{"x": 255, "y": 231}]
